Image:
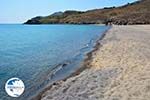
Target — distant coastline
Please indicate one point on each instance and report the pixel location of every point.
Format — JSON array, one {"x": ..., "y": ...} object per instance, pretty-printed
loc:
[{"x": 137, "y": 12}]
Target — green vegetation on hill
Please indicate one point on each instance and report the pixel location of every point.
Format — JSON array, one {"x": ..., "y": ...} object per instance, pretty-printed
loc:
[{"x": 131, "y": 13}]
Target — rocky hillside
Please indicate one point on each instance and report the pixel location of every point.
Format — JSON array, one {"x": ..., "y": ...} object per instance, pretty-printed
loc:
[{"x": 131, "y": 13}]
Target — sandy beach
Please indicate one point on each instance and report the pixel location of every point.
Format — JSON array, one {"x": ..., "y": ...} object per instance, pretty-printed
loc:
[{"x": 119, "y": 69}]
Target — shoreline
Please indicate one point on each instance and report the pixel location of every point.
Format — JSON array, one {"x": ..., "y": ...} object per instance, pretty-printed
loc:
[
  {"x": 84, "y": 65},
  {"x": 119, "y": 69}
]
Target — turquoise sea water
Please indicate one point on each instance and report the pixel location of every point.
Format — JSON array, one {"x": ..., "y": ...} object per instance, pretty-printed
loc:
[{"x": 39, "y": 54}]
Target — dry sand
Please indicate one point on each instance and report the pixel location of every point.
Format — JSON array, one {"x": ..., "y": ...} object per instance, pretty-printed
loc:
[{"x": 119, "y": 69}]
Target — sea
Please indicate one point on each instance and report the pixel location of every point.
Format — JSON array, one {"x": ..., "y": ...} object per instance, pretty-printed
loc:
[{"x": 42, "y": 54}]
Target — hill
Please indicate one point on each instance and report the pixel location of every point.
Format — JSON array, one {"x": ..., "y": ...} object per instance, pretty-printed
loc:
[{"x": 132, "y": 13}]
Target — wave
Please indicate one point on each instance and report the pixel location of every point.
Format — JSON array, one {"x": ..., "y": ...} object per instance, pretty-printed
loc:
[{"x": 57, "y": 68}]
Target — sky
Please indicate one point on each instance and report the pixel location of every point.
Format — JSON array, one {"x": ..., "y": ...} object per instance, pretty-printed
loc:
[{"x": 18, "y": 11}]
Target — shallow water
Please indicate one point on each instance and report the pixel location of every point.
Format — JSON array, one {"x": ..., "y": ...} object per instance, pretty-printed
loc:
[{"x": 39, "y": 54}]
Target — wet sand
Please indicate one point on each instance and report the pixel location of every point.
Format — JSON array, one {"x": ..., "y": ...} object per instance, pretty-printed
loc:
[{"x": 118, "y": 69}]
